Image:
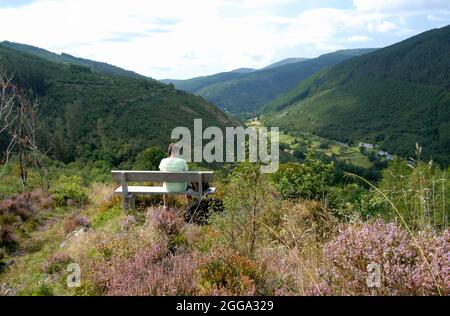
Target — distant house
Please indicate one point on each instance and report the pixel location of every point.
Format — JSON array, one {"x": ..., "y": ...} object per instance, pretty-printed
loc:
[
  {"x": 366, "y": 145},
  {"x": 383, "y": 153}
]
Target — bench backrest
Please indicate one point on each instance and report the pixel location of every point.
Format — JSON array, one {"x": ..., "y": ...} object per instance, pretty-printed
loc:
[{"x": 160, "y": 176}]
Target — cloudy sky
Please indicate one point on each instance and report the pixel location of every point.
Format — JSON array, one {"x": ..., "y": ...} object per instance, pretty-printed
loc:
[{"x": 183, "y": 39}]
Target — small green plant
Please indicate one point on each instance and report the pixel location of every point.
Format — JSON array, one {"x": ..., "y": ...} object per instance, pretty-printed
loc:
[{"x": 69, "y": 191}]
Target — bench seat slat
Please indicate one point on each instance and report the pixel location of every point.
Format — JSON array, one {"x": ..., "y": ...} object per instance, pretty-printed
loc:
[{"x": 158, "y": 191}]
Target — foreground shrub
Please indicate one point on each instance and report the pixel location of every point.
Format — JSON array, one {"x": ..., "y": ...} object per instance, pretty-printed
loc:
[
  {"x": 226, "y": 272},
  {"x": 56, "y": 263},
  {"x": 303, "y": 222},
  {"x": 200, "y": 213},
  {"x": 151, "y": 271},
  {"x": 69, "y": 191},
  {"x": 248, "y": 198},
  {"x": 74, "y": 222},
  {"x": 25, "y": 206},
  {"x": 8, "y": 238},
  {"x": 404, "y": 271},
  {"x": 307, "y": 180},
  {"x": 167, "y": 221}
]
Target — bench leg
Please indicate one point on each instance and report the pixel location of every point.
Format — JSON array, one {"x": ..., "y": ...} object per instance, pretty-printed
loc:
[
  {"x": 132, "y": 202},
  {"x": 129, "y": 202}
]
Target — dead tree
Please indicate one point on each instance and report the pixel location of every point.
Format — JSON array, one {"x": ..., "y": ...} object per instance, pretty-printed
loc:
[
  {"x": 25, "y": 141},
  {"x": 8, "y": 99}
]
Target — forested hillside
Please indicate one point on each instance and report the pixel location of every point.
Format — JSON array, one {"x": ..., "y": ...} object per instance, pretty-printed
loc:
[
  {"x": 394, "y": 97},
  {"x": 96, "y": 66},
  {"x": 246, "y": 94},
  {"x": 90, "y": 116}
]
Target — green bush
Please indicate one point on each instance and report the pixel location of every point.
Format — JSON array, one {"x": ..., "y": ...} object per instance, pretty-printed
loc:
[
  {"x": 69, "y": 191},
  {"x": 248, "y": 199},
  {"x": 149, "y": 159},
  {"x": 307, "y": 180}
]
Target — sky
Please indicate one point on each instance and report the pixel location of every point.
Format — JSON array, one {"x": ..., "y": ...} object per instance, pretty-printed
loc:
[{"x": 181, "y": 39}]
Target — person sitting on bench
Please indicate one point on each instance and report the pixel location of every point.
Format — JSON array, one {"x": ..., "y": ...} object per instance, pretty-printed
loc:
[{"x": 173, "y": 164}]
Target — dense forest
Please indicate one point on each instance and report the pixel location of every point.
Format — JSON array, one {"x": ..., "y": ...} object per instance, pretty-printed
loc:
[
  {"x": 394, "y": 97},
  {"x": 245, "y": 94},
  {"x": 96, "y": 66},
  {"x": 86, "y": 115}
]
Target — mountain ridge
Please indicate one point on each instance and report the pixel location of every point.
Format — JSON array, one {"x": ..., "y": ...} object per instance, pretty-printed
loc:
[
  {"x": 89, "y": 116},
  {"x": 248, "y": 93},
  {"x": 96, "y": 66},
  {"x": 396, "y": 97}
]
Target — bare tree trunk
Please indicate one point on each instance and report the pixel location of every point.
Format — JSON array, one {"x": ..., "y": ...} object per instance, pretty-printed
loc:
[{"x": 8, "y": 98}]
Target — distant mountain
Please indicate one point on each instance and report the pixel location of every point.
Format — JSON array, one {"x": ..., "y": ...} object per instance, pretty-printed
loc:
[
  {"x": 64, "y": 58},
  {"x": 86, "y": 115},
  {"x": 243, "y": 70},
  {"x": 395, "y": 97},
  {"x": 285, "y": 62},
  {"x": 248, "y": 93},
  {"x": 195, "y": 84}
]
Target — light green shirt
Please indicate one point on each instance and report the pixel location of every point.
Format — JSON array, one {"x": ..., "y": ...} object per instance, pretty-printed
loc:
[{"x": 174, "y": 165}]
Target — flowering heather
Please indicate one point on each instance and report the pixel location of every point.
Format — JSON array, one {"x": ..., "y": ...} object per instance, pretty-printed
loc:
[
  {"x": 8, "y": 238},
  {"x": 25, "y": 206},
  {"x": 56, "y": 263},
  {"x": 152, "y": 271},
  {"x": 226, "y": 272},
  {"x": 74, "y": 222},
  {"x": 128, "y": 222},
  {"x": 403, "y": 269},
  {"x": 168, "y": 222}
]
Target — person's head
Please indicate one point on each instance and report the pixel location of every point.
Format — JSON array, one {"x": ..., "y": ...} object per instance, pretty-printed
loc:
[{"x": 174, "y": 150}]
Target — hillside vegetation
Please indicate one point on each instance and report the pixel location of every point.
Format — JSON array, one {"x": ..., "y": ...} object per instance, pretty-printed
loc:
[
  {"x": 394, "y": 97},
  {"x": 64, "y": 58},
  {"x": 295, "y": 232},
  {"x": 85, "y": 115},
  {"x": 246, "y": 94}
]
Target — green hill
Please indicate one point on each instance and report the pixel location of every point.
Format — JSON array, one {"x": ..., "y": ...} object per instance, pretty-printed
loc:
[
  {"x": 285, "y": 62},
  {"x": 393, "y": 97},
  {"x": 96, "y": 66},
  {"x": 195, "y": 84},
  {"x": 92, "y": 116},
  {"x": 247, "y": 93}
]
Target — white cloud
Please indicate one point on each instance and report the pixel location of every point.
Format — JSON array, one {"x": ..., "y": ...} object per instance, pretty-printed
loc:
[
  {"x": 400, "y": 5},
  {"x": 180, "y": 39},
  {"x": 358, "y": 39}
]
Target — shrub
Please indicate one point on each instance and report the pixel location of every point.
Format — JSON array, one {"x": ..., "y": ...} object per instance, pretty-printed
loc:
[
  {"x": 306, "y": 221},
  {"x": 248, "y": 197},
  {"x": 74, "y": 222},
  {"x": 8, "y": 238},
  {"x": 69, "y": 191},
  {"x": 307, "y": 180},
  {"x": 56, "y": 263},
  {"x": 151, "y": 271},
  {"x": 352, "y": 202},
  {"x": 128, "y": 222},
  {"x": 24, "y": 205},
  {"x": 167, "y": 221},
  {"x": 199, "y": 214},
  {"x": 226, "y": 272},
  {"x": 403, "y": 269},
  {"x": 149, "y": 159}
]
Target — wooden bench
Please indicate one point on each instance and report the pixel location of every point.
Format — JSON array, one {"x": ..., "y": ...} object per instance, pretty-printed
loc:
[{"x": 129, "y": 192}]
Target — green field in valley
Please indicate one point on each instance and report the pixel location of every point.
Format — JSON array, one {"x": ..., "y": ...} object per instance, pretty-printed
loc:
[{"x": 298, "y": 139}]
